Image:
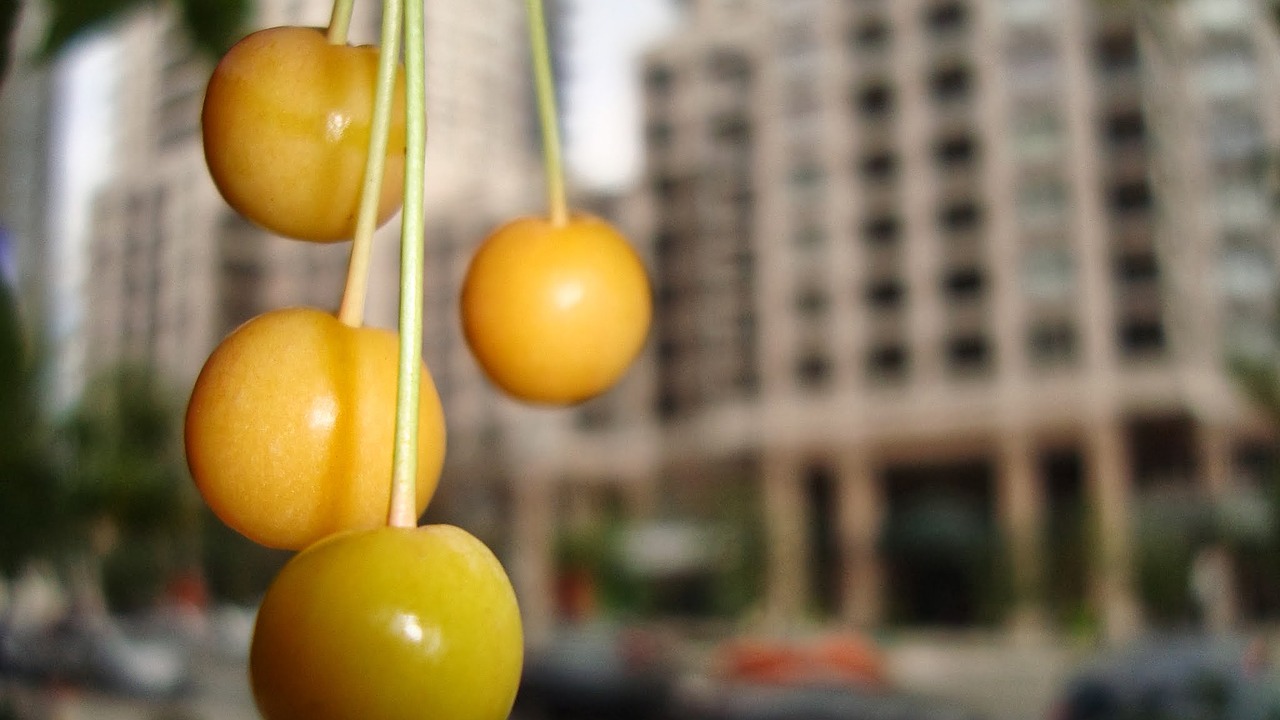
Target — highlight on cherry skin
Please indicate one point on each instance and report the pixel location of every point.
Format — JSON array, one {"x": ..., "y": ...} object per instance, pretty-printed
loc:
[
  {"x": 389, "y": 624},
  {"x": 290, "y": 428},
  {"x": 556, "y": 314},
  {"x": 286, "y": 126}
]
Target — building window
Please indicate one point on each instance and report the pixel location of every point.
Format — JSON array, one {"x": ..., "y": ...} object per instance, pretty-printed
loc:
[
  {"x": 964, "y": 283},
  {"x": 807, "y": 176},
  {"x": 886, "y": 294},
  {"x": 1042, "y": 203},
  {"x": 812, "y": 302},
  {"x": 880, "y": 166},
  {"x": 946, "y": 18},
  {"x": 1235, "y": 135},
  {"x": 1131, "y": 197},
  {"x": 1033, "y": 69},
  {"x": 1247, "y": 271},
  {"x": 1125, "y": 128},
  {"x": 956, "y": 151},
  {"x": 1029, "y": 12},
  {"x": 813, "y": 369},
  {"x": 960, "y": 216},
  {"x": 665, "y": 188},
  {"x": 1052, "y": 343},
  {"x": 667, "y": 405},
  {"x": 875, "y": 101},
  {"x": 658, "y": 134},
  {"x": 1218, "y": 15},
  {"x": 1137, "y": 268},
  {"x": 950, "y": 84},
  {"x": 1228, "y": 72},
  {"x": 1141, "y": 336},
  {"x": 888, "y": 363},
  {"x": 732, "y": 128},
  {"x": 1037, "y": 136},
  {"x": 1048, "y": 273},
  {"x": 729, "y": 66},
  {"x": 658, "y": 80},
  {"x": 968, "y": 353},
  {"x": 1117, "y": 51},
  {"x": 882, "y": 229},
  {"x": 810, "y": 237},
  {"x": 1242, "y": 206},
  {"x": 871, "y": 36}
]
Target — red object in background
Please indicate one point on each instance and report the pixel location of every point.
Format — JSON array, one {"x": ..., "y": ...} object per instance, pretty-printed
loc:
[
  {"x": 576, "y": 594},
  {"x": 838, "y": 658},
  {"x": 850, "y": 657},
  {"x": 188, "y": 590}
]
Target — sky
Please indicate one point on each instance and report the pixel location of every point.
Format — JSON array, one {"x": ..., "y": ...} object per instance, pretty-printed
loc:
[{"x": 602, "y": 94}]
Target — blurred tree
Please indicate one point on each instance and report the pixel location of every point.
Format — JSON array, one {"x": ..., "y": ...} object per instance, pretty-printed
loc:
[
  {"x": 29, "y": 495},
  {"x": 134, "y": 515},
  {"x": 212, "y": 25}
]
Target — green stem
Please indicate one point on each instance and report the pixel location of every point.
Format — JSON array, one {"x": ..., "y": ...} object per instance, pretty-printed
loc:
[
  {"x": 405, "y": 457},
  {"x": 544, "y": 84},
  {"x": 340, "y": 21},
  {"x": 351, "y": 312}
]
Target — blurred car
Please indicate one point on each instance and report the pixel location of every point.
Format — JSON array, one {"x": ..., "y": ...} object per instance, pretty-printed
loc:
[
  {"x": 818, "y": 701},
  {"x": 598, "y": 672},
  {"x": 1176, "y": 678},
  {"x": 96, "y": 654}
]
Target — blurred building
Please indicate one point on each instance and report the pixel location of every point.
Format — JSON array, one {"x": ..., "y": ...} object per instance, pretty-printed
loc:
[{"x": 945, "y": 290}]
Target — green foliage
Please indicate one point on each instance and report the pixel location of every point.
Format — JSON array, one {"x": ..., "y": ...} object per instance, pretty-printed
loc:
[
  {"x": 29, "y": 496},
  {"x": 213, "y": 25}
]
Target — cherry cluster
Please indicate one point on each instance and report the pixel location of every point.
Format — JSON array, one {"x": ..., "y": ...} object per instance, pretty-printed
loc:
[{"x": 308, "y": 431}]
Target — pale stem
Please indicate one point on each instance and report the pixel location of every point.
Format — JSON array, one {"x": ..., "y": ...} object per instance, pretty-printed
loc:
[
  {"x": 340, "y": 21},
  {"x": 404, "y": 511},
  {"x": 351, "y": 311},
  {"x": 545, "y": 87}
]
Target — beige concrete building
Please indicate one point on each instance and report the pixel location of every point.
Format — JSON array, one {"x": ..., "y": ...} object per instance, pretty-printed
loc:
[
  {"x": 985, "y": 254},
  {"x": 990, "y": 252}
]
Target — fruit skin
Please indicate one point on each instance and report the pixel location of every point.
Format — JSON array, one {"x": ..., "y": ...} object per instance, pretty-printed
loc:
[
  {"x": 286, "y": 126},
  {"x": 389, "y": 624},
  {"x": 289, "y": 430},
  {"x": 556, "y": 315}
]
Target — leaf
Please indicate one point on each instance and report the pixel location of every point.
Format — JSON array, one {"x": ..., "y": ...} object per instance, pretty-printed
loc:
[
  {"x": 71, "y": 19},
  {"x": 214, "y": 25}
]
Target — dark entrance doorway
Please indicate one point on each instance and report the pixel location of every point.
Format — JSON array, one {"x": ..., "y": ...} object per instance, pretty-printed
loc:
[{"x": 939, "y": 545}]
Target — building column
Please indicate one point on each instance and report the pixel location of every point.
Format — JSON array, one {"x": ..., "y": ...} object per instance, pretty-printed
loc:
[
  {"x": 533, "y": 557},
  {"x": 861, "y": 519},
  {"x": 786, "y": 591},
  {"x": 1110, "y": 490},
  {"x": 1020, "y": 501}
]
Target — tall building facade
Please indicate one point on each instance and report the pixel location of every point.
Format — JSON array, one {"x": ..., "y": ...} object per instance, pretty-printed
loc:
[{"x": 929, "y": 272}]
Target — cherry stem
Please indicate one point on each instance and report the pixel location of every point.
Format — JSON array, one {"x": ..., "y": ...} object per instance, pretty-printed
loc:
[
  {"x": 340, "y": 21},
  {"x": 403, "y": 512},
  {"x": 351, "y": 311},
  {"x": 544, "y": 84}
]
